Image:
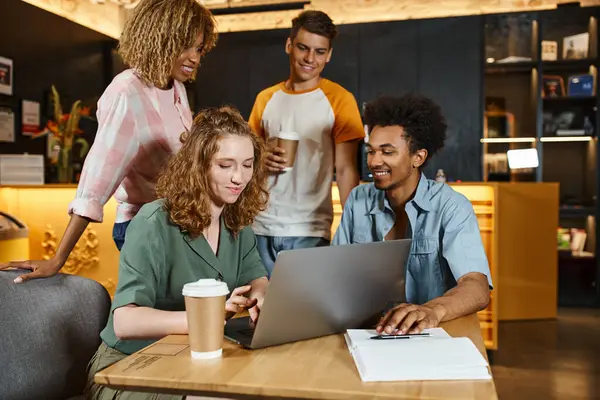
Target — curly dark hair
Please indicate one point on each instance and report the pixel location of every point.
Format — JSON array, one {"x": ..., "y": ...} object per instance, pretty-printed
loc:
[
  {"x": 422, "y": 120},
  {"x": 185, "y": 185},
  {"x": 316, "y": 22}
]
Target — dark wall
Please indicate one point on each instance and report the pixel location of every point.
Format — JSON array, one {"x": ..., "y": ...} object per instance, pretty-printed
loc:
[
  {"x": 450, "y": 72},
  {"x": 441, "y": 58},
  {"x": 239, "y": 67},
  {"x": 47, "y": 49}
]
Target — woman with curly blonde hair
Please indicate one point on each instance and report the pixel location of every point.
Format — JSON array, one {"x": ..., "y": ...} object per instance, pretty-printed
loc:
[
  {"x": 141, "y": 115},
  {"x": 209, "y": 193}
]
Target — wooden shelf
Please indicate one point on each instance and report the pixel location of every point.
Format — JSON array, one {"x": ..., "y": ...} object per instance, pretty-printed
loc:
[
  {"x": 527, "y": 66},
  {"x": 569, "y": 255},
  {"x": 568, "y": 64},
  {"x": 516, "y": 90},
  {"x": 510, "y": 68},
  {"x": 576, "y": 211},
  {"x": 564, "y": 99}
]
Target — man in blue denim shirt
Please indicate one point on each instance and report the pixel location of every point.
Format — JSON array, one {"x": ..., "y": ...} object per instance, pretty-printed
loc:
[{"x": 447, "y": 273}]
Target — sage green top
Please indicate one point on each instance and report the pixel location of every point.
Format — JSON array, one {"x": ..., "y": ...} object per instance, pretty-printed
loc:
[{"x": 157, "y": 259}]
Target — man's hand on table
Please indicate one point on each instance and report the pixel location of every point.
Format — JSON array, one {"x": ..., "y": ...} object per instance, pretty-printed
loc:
[{"x": 410, "y": 319}]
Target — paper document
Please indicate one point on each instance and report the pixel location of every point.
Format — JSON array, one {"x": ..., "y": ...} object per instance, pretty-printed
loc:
[
  {"x": 7, "y": 125},
  {"x": 434, "y": 357}
]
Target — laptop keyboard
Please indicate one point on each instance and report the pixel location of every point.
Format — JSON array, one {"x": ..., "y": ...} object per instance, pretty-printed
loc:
[{"x": 246, "y": 332}]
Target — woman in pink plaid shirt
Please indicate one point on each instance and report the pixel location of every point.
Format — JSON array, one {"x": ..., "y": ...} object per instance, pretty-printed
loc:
[{"x": 141, "y": 116}]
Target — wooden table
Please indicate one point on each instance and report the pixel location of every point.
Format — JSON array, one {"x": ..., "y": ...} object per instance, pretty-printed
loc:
[{"x": 317, "y": 369}]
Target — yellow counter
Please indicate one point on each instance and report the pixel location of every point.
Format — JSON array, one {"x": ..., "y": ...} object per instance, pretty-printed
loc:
[
  {"x": 43, "y": 209},
  {"x": 518, "y": 223}
]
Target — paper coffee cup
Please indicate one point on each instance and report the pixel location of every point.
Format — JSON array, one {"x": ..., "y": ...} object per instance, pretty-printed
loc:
[
  {"x": 205, "y": 311},
  {"x": 289, "y": 142}
]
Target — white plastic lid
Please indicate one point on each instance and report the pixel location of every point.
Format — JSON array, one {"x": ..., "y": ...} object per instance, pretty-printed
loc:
[
  {"x": 205, "y": 288},
  {"x": 289, "y": 135}
]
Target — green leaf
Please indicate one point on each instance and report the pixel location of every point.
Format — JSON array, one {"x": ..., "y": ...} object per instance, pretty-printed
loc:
[
  {"x": 57, "y": 107},
  {"x": 84, "y": 146}
]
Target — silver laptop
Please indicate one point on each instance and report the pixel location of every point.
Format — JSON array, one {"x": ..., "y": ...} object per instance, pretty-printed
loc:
[{"x": 325, "y": 290}]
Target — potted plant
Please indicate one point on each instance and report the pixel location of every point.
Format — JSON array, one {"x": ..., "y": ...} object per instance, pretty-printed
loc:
[{"x": 63, "y": 134}]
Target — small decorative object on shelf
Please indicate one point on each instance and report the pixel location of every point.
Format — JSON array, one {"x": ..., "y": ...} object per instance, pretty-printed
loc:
[
  {"x": 576, "y": 47},
  {"x": 588, "y": 127},
  {"x": 62, "y": 134},
  {"x": 553, "y": 86},
  {"x": 581, "y": 85},
  {"x": 440, "y": 176},
  {"x": 568, "y": 121},
  {"x": 563, "y": 237},
  {"x": 497, "y": 163},
  {"x": 549, "y": 50}
]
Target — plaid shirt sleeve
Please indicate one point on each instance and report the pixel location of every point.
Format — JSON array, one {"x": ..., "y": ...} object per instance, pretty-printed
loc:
[{"x": 110, "y": 157}]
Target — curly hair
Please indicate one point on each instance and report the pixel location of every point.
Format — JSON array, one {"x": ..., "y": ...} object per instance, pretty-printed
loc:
[
  {"x": 185, "y": 182},
  {"x": 316, "y": 22},
  {"x": 420, "y": 117},
  {"x": 158, "y": 31}
]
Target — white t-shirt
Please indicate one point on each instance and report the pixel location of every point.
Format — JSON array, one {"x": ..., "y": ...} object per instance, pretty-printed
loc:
[{"x": 300, "y": 199}]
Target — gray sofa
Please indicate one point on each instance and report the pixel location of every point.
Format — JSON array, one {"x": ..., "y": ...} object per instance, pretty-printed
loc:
[{"x": 49, "y": 330}]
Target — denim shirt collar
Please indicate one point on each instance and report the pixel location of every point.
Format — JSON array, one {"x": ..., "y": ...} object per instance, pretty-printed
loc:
[{"x": 421, "y": 198}]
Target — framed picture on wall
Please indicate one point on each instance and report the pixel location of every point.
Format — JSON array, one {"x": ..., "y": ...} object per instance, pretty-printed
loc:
[{"x": 6, "y": 76}]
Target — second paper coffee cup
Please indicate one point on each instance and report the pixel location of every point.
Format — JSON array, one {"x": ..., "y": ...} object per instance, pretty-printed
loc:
[
  {"x": 289, "y": 142},
  {"x": 205, "y": 311}
]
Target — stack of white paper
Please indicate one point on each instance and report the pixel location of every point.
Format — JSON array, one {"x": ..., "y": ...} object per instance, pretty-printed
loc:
[{"x": 435, "y": 357}]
